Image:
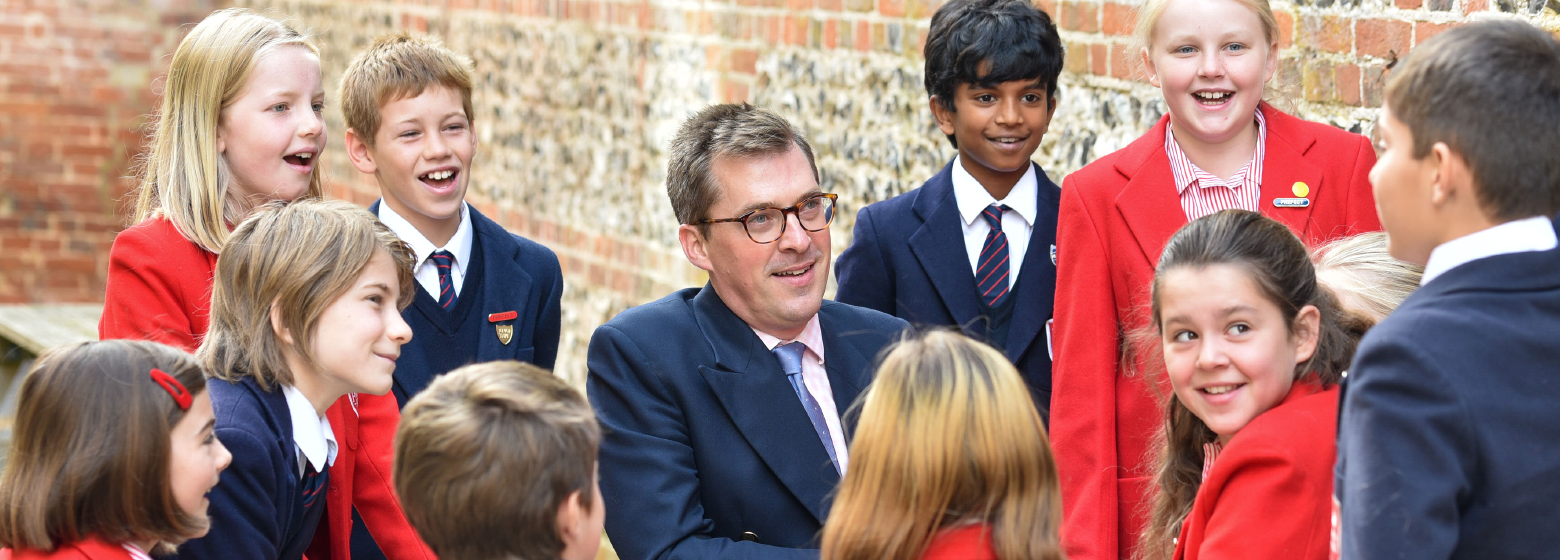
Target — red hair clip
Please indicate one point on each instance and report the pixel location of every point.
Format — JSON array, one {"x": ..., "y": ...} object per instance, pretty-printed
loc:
[{"x": 175, "y": 389}]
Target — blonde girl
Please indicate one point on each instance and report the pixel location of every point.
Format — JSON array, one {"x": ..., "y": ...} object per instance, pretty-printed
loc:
[
  {"x": 1219, "y": 146},
  {"x": 1367, "y": 281},
  {"x": 950, "y": 461},
  {"x": 240, "y": 125}
]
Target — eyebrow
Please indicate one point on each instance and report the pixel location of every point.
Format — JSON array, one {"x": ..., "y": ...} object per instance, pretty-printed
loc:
[
  {"x": 414, "y": 119},
  {"x": 381, "y": 286},
  {"x": 1226, "y": 312},
  {"x": 210, "y": 425},
  {"x": 763, "y": 205}
]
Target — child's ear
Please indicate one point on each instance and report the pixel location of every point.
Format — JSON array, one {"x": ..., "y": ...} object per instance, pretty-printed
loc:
[
  {"x": 1148, "y": 67},
  {"x": 1307, "y": 330},
  {"x": 1270, "y": 68},
  {"x": 571, "y": 518},
  {"x": 277, "y": 327},
  {"x": 358, "y": 151},
  {"x": 693, "y": 246},
  {"x": 942, "y": 114},
  {"x": 1453, "y": 180}
]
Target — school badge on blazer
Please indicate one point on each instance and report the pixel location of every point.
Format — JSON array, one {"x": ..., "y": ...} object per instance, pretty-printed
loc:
[{"x": 506, "y": 332}]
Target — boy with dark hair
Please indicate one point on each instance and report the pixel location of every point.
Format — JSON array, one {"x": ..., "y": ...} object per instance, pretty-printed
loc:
[
  {"x": 498, "y": 461},
  {"x": 954, "y": 251},
  {"x": 1447, "y": 441}
]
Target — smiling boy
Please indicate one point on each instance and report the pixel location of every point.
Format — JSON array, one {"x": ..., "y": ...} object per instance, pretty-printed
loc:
[
  {"x": 1447, "y": 445},
  {"x": 975, "y": 245},
  {"x": 484, "y": 294}
]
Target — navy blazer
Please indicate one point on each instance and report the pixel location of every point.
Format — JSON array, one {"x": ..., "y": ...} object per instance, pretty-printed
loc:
[
  {"x": 908, "y": 260},
  {"x": 704, "y": 440},
  {"x": 256, "y": 508},
  {"x": 1449, "y": 439},
  {"x": 517, "y": 275}
]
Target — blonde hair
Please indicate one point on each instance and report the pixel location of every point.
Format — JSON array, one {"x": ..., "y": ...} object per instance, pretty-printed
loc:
[
  {"x": 1367, "y": 281},
  {"x": 399, "y": 66},
  {"x": 297, "y": 258},
  {"x": 488, "y": 453},
  {"x": 1148, "y": 19},
  {"x": 183, "y": 177},
  {"x": 948, "y": 436}
]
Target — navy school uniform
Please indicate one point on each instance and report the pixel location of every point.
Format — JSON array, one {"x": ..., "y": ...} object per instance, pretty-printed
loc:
[
  {"x": 909, "y": 260},
  {"x": 511, "y": 284},
  {"x": 258, "y": 508}
]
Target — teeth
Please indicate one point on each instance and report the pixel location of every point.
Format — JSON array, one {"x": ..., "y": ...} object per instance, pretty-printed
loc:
[
  {"x": 305, "y": 155},
  {"x": 1220, "y": 390},
  {"x": 440, "y": 175},
  {"x": 1211, "y": 95},
  {"x": 796, "y": 273}
]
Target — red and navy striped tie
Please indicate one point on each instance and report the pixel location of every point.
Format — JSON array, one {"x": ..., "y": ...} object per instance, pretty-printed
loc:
[
  {"x": 991, "y": 277},
  {"x": 443, "y": 260},
  {"x": 312, "y": 482}
]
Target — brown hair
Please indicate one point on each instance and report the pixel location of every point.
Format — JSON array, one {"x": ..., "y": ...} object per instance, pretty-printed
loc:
[
  {"x": 1491, "y": 92},
  {"x": 723, "y": 131},
  {"x": 1279, "y": 265},
  {"x": 948, "y": 437},
  {"x": 297, "y": 258},
  {"x": 92, "y": 448},
  {"x": 486, "y": 455},
  {"x": 183, "y": 178},
  {"x": 399, "y": 66},
  {"x": 1359, "y": 271}
]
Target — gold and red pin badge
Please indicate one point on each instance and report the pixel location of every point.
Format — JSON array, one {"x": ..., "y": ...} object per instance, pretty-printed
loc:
[
  {"x": 506, "y": 332},
  {"x": 1301, "y": 191}
]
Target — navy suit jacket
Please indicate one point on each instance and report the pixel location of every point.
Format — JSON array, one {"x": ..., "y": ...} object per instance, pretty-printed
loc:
[
  {"x": 908, "y": 260},
  {"x": 517, "y": 275},
  {"x": 1449, "y": 439},
  {"x": 703, "y": 437},
  {"x": 256, "y": 509}
]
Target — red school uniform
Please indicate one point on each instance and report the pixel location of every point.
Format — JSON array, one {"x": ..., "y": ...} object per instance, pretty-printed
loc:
[
  {"x": 92, "y": 548},
  {"x": 159, "y": 289},
  {"x": 1117, "y": 214},
  {"x": 1269, "y": 493}
]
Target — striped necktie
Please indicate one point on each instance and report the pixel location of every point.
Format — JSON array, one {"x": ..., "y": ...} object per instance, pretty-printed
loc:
[
  {"x": 443, "y": 260},
  {"x": 991, "y": 276},
  {"x": 311, "y": 484}
]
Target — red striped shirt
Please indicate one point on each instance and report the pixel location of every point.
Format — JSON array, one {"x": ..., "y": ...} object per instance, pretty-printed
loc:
[{"x": 1213, "y": 194}]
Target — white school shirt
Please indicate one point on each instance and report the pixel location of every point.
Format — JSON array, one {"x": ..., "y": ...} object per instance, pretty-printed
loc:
[
  {"x": 1529, "y": 234},
  {"x": 312, "y": 434},
  {"x": 816, "y": 379},
  {"x": 426, "y": 273},
  {"x": 1017, "y": 222}
]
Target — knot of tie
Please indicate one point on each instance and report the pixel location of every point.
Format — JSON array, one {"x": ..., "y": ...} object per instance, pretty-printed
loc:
[
  {"x": 993, "y": 215},
  {"x": 442, "y": 261},
  {"x": 790, "y": 356}
]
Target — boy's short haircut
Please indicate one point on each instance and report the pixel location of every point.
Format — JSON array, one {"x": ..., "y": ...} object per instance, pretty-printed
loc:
[
  {"x": 400, "y": 66},
  {"x": 989, "y": 42},
  {"x": 487, "y": 454},
  {"x": 1491, "y": 92},
  {"x": 728, "y": 130},
  {"x": 295, "y": 258}
]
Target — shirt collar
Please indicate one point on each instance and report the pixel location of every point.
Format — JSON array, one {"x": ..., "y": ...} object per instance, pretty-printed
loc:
[
  {"x": 1186, "y": 173},
  {"x": 972, "y": 198},
  {"x": 311, "y": 432},
  {"x": 1530, "y": 234},
  {"x": 811, "y": 337},
  {"x": 458, "y": 245}
]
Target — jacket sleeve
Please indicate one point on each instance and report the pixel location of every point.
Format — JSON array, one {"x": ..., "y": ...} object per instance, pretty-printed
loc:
[
  {"x": 1361, "y": 213},
  {"x": 373, "y": 489},
  {"x": 649, "y": 480},
  {"x": 1083, "y": 397},
  {"x": 244, "y": 504},
  {"x": 1265, "y": 507},
  {"x": 863, "y": 276},
  {"x": 145, "y": 298},
  {"x": 1404, "y": 454},
  {"x": 549, "y": 324}
]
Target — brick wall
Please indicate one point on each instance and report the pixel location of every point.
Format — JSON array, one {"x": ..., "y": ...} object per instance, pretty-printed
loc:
[
  {"x": 578, "y": 98},
  {"x": 74, "y": 85}
]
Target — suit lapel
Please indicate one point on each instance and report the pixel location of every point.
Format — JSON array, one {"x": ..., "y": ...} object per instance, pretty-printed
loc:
[
  {"x": 755, "y": 394},
  {"x": 1033, "y": 307},
  {"x": 849, "y": 370},
  {"x": 504, "y": 286},
  {"x": 1149, "y": 204},
  {"x": 1284, "y": 167},
  {"x": 939, "y": 246}
]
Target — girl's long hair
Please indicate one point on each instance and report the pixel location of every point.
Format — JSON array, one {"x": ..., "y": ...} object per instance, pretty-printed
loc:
[
  {"x": 183, "y": 177},
  {"x": 948, "y": 436},
  {"x": 1279, "y": 265}
]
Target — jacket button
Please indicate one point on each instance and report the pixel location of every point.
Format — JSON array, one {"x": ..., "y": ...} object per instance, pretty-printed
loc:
[{"x": 749, "y": 536}]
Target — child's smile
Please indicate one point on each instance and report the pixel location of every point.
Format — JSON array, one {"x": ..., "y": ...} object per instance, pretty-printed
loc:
[{"x": 998, "y": 128}]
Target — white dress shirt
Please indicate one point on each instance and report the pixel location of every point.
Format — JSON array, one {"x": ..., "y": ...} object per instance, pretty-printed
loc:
[
  {"x": 311, "y": 432},
  {"x": 1017, "y": 222},
  {"x": 816, "y": 379},
  {"x": 426, "y": 273},
  {"x": 1530, "y": 234}
]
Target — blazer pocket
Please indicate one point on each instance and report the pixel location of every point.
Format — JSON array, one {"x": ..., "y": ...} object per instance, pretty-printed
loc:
[{"x": 527, "y": 354}]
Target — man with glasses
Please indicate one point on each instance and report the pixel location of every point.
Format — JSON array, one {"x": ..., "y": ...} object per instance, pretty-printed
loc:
[{"x": 722, "y": 406}]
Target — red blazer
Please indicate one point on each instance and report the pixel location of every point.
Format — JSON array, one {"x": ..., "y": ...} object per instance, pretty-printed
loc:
[
  {"x": 971, "y": 542},
  {"x": 91, "y": 549},
  {"x": 159, "y": 288},
  {"x": 1269, "y": 494},
  {"x": 1117, "y": 214}
]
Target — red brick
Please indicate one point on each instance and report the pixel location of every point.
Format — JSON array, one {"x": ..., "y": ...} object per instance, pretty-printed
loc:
[
  {"x": 1121, "y": 65},
  {"x": 1347, "y": 77},
  {"x": 744, "y": 61},
  {"x": 891, "y": 8},
  {"x": 1382, "y": 37},
  {"x": 1119, "y": 19},
  {"x": 1408, "y": 4},
  {"x": 1088, "y": 17},
  {"x": 1474, "y": 6},
  {"x": 830, "y": 33},
  {"x": 734, "y": 92},
  {"x": 1049, "y": 7},
  {"x": 830, "y": 5},
  {"x": 863, "y": 36},
  {"x": 1099, "y": 59},
  {"x": 1286, "y": 29},
  {"x": 1424, "y": 30},
  {"x": 1328, "y": 33},
  {"x": 796, "y": 30}
]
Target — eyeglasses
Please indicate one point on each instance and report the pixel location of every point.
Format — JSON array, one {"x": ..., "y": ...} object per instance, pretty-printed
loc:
[{"x": 765, "y": 225}]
